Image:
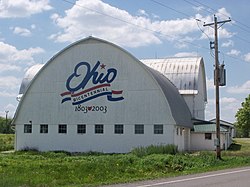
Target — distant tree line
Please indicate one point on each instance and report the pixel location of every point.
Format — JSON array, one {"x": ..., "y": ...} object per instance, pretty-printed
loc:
[
  {"x": 5, "y": 127},
  {"x": 243, "y": 119}
]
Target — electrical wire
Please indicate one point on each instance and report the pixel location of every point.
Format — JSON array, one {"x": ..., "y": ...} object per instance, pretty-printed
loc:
[
  {"x": 150, "y": 30},
  {"x": 139, "y": 26},
  {"x": 161, "y": 4},
  {"x": 248, "y": 31}
]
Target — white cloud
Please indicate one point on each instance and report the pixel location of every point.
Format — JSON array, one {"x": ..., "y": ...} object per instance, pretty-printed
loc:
[
  {"x": 33, "y": 26},
  {"x": 183, "y": 42},
  {"x": 227, "y": 100},
  {"x": 223, "y": 14},
  {"x": 9, "y": 67},
  {"x": 222, "y": 33},
  {"x": 229, "y": 43},
  {"x": 7, "y": 94},
  {"x": 186, "y": 54},
  {"x": 210, "y": 84},
  {"x": 233, "y": 52},
  {"x": 22, "y": 8},
  {"x": 155, "y": 16},
  {"x": 242, "y": 89},
  {"x": 81, "y": 21},
  {"x": 9, "y": 107},
  {"x": 247, "y": 57},
  {"x": 141, "y": 12},
  {"x": 21, "y": 31},
  {"x": 9, "y": 82},
  {"x": 228, "y": 108},
  {"x": 11, "y": 55},
  {"x": 198, "y": 8}
]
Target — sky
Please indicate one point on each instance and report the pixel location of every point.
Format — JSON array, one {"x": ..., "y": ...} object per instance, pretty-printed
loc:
[{"x": 32, "y": 31}]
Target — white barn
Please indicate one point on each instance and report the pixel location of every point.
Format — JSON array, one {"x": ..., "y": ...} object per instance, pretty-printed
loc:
[
  {"x": 188, "y": 75},
  {"x": 95, "y": 96}
]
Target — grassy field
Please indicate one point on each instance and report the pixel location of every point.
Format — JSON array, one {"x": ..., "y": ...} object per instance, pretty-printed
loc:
[{"x": 61, "y": 169}]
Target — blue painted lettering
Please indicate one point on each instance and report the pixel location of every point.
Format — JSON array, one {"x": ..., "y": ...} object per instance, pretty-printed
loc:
[{"x": 90, "y": 74}]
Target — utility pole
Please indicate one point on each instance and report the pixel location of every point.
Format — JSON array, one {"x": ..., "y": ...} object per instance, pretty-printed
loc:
[
  {"x": 217, "y": 82},
  {"x": 6, "y": 121}
]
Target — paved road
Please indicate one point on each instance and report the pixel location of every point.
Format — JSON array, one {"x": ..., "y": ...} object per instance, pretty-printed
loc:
[{"x": 239, "y": 177}]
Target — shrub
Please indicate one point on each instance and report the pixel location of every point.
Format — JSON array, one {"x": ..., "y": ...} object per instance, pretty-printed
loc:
[
  {"x": 6, "y": 142},
  {"x": 155, "y": 149}
]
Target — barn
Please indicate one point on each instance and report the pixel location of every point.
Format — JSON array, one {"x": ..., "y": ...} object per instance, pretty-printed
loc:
[
  {"x": 95, "y": 96},
  {"x": 188, "y": 75}
]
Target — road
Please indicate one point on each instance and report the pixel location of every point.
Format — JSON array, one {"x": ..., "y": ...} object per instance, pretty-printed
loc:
[{"x": 239, "y": 177}]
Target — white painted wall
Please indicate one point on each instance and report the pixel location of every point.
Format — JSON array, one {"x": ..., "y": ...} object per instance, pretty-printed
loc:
[
  {"x": 107, "y": 142},
  {"x": 196, "y": 102},
  {"x": 198, "y": 141},
  {"x": 182, "y": 138}
]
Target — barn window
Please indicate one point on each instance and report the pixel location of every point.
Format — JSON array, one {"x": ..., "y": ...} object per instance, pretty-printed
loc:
[
  {"x": 118, "y": 129},
  {"x": 99, "y": 129},
  {"x": 158, "y": 129},
  {"x": 139, "y": 129},
  {"x": 81, "y": 129},
  {"x": 62, "y": 129},
  {"x": 27, "y": 128},
  {"x": 208, "y": 136},
  {"x": 44, "y": 128}
]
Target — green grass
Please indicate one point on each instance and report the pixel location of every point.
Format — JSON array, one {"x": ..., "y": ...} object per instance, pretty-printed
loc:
[
  {"x": 240, "y": 147},
  {"x": 31, "y": 168}
]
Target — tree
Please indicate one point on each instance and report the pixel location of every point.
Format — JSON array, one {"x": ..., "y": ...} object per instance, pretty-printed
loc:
[
  {"x": 5, "y": 127},
  {"x": 243, "y": 119}
]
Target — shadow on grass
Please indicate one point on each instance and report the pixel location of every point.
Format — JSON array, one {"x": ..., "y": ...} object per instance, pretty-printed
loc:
[{"x": 234, "y": 147}]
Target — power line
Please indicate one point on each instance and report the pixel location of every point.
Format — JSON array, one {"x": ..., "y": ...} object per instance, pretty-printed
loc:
[
  {"x": 138, "y": 26},
  {"x": 210, "y": 12},
  {"x": 197, "y": 20},
  {"x": 159, "y": 3},
  {"x": 242, "y": 39},
  {"x": 207, "y": 10},
  {"x": 240, "y": 27},
  {"x": 151, "y": 30}
]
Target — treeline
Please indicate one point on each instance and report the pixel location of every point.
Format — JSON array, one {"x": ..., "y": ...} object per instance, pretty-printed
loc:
[
  {"x": 243, "y": 119},
  {"x": 5, "y": 126}
]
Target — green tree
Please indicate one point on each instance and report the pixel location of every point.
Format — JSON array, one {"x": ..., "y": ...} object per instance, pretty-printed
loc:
[
  {"x": 243, "y": 119},
  {"x": 5, "y": 127}
]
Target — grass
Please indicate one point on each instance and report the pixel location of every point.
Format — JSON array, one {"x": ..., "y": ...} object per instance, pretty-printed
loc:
[
  {"x": 240, "y": 147},
  {"x": 32, "y": 168}
]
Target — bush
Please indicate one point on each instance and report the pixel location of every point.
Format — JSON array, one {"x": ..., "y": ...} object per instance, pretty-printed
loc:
[
  {"x": 5, "y": 127},
  {"x": 6, "y": 142},
  {"x": 155, "y": 149}
]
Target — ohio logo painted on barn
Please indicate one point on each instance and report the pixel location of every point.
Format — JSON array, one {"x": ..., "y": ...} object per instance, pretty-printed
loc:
[{"x": 101, "y": 78}]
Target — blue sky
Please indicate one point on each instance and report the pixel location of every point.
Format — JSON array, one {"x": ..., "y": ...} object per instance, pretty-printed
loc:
[{"x": 31, "y": 32}]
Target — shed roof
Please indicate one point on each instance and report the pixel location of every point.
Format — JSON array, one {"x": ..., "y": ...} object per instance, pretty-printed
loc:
[
  {"x": 29, "y": 75},
  {"x": 208, "y": 128},
  {"x": 224, "y": 123}
]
